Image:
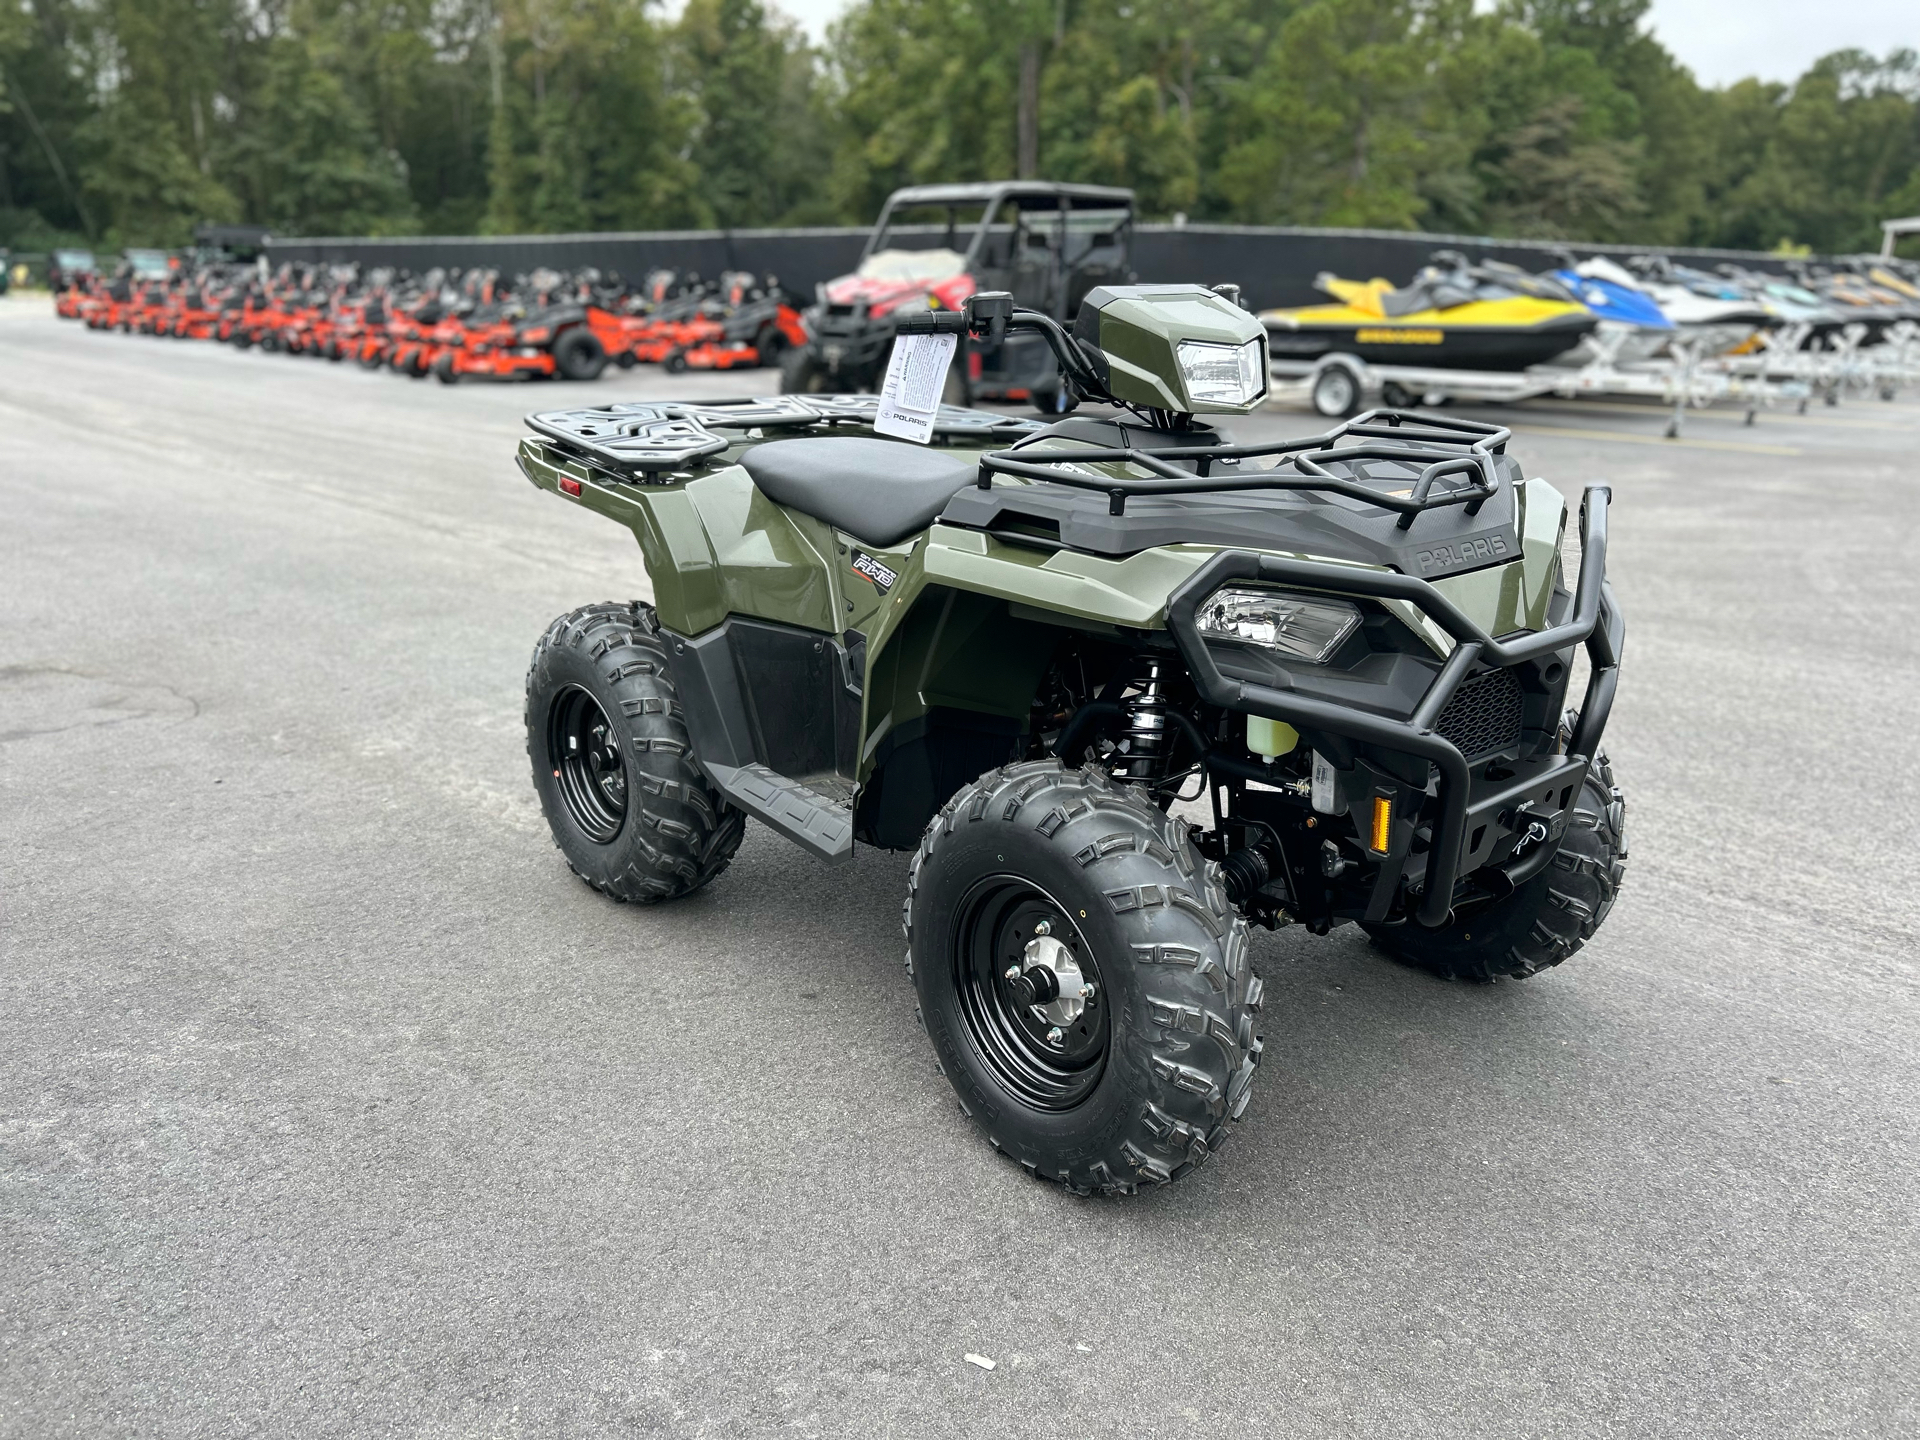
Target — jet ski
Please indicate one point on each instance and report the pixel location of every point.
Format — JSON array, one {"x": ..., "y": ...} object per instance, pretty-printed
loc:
[
  {"x": 1452, "y": 316},
  {"x": 1632, "y": 326},
  {"x": 1792, "y": 304},
  {"x": 1873, "y": 307},
  {"x": 1710, "y": 315}
]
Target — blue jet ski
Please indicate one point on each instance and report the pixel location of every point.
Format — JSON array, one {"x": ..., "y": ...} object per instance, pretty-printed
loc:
[{"x": 1632, "y": 324}]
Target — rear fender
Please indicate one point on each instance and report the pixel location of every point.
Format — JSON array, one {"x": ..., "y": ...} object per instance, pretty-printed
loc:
[{"x": 712, "y": 547}]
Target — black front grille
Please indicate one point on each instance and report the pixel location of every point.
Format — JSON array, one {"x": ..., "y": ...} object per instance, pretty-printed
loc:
[{"x": 1484, "y": 714}]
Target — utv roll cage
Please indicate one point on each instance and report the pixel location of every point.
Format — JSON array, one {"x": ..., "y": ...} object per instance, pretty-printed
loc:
[{"x": 992, "y": 198}]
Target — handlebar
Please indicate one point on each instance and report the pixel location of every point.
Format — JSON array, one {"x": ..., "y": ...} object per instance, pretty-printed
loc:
[{"x": 990, "y": 314}]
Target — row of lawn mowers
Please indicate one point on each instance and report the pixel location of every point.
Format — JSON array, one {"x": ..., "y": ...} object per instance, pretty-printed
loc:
[{"x": 449, "y": 323}]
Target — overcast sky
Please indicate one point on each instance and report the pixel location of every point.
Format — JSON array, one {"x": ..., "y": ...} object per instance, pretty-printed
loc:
[{"x": 1719, "y": 40}]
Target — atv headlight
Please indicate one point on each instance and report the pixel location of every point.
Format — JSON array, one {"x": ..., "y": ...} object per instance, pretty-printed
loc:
[
  {"x": 1221, "y": 374},
  {"x": 1308, "y": 629}
]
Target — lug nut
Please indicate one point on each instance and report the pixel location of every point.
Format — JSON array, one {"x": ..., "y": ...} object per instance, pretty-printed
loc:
[
  {"x": 1043, "y": 928},
  {"x": 1056, "y": 1036},
  {"x": 1013, "y": 972},
  {"x": 1087, "y": 990}
]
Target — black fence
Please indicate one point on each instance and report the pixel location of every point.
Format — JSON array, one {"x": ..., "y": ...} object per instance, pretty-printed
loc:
[{"x": 1274, "y": 266}]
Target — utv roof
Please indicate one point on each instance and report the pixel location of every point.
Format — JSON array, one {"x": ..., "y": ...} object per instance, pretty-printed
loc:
[{"x": 983, "y": 191}]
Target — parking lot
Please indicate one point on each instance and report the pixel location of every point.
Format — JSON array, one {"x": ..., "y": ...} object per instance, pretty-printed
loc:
[{"x": 330, "y": 1103}]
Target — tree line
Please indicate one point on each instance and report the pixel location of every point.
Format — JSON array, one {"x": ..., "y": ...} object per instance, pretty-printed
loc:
[{"x": 129, "y": 121}]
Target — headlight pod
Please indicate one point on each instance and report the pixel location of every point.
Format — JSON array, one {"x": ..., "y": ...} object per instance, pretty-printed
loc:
[
  {"x": 1307, "y": 628},
  {"x": 1221, "y": 374}
]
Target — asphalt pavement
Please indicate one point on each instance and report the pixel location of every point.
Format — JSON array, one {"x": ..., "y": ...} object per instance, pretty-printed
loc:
[{"x": 331, "y": 1104}]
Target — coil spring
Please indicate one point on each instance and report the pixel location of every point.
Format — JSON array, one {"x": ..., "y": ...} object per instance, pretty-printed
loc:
[{"x": 1148, "y": 738}]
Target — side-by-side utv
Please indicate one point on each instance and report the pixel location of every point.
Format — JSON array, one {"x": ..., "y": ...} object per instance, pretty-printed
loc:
[
  {"x": 1015, "y": 650},
  {"x": 1045, "y": 243}
]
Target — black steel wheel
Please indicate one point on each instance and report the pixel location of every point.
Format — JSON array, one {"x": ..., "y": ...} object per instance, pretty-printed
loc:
[
  {"x": 1051, "y": 1066},
  {"x": 584, "y": 754},
  {"x": 1084, "y": 980},
  {"x": 613, "y": 765}
]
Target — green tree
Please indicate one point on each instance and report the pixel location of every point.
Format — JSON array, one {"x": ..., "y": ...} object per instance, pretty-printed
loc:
[
  {"x": 304, "y": 154},
  {"x": 1823, "y": 162},
  {"x": 758, "y": 140},
  {"x": 1346, "y": 115},
  {"x": 585, "y": 135},
  {"x": 150, "y": 146},
  {"x": 42, "y": 103}
]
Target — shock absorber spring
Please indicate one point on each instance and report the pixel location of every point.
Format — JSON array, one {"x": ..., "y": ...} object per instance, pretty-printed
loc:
[{"x": 1147, "y": 743}]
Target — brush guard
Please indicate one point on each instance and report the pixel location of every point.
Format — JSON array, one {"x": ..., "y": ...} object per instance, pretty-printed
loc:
[{"x": 1595, "y": 622}]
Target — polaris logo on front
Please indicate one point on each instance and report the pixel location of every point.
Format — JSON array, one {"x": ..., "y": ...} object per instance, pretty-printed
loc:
[
  {"x": 865, "y": 565},
  {"x": 1467, "y": 552}
]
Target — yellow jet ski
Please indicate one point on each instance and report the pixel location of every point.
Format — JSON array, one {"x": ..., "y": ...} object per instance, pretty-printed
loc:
[{"x": 1453, "y": 316}]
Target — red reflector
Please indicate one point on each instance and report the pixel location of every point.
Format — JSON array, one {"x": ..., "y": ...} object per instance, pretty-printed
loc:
[{"x": 569, "y": 485}]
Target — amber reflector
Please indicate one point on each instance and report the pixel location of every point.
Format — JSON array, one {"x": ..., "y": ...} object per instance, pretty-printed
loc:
[{"x": 1382, "y": 824}]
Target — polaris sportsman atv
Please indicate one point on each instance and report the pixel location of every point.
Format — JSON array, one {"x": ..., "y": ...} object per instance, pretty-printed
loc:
[{"x": 1014, "y": 650}]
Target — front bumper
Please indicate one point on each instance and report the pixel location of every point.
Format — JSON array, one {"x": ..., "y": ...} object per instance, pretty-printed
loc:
[{"x": 1464, "y": 814}]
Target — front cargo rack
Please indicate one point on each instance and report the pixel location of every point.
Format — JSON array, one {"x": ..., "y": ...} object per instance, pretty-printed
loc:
[
  {"x": 1442, "y": 447},
  {"x": 667, "y": 435}
]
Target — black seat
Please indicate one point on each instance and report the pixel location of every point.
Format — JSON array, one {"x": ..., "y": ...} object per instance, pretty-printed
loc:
[{"x": 879, "y": 491}]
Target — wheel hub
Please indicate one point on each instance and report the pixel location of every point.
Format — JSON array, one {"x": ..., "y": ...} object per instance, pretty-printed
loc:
[
  {"x": 1030, "y": 993},
  {"x": 1050, "y": 974}
]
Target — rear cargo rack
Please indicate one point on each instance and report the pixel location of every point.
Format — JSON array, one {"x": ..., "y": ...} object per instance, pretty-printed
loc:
[
  {"x": 1442, "y": 446},
  {"x": 669, "y": 435}
]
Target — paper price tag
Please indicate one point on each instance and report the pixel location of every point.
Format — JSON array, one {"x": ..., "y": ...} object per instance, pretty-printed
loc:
[{"x": 910, "y": 394}]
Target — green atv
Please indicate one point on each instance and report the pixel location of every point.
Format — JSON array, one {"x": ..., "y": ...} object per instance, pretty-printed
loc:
[{"x": 1013, "y": 651}]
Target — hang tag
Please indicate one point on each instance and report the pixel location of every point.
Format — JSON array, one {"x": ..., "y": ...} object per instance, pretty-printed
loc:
[{"x": 910, "y": 394}]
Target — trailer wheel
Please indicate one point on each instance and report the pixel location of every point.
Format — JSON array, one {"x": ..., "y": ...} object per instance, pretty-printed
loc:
[
  {"x": 675, "y": 363},
  {"x": 579, "y": 355},
  {"x": 1336, "y": 392}
]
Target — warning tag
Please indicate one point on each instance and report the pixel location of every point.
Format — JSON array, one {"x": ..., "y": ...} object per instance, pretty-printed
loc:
[{"x": 910, "y": 395}]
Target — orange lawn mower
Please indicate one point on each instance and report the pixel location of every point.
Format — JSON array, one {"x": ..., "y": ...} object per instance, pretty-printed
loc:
[
  {"x": 568, "y": 341},
  {"x": 762, "y": 325},
  {"x": 674, "y": 324}
]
